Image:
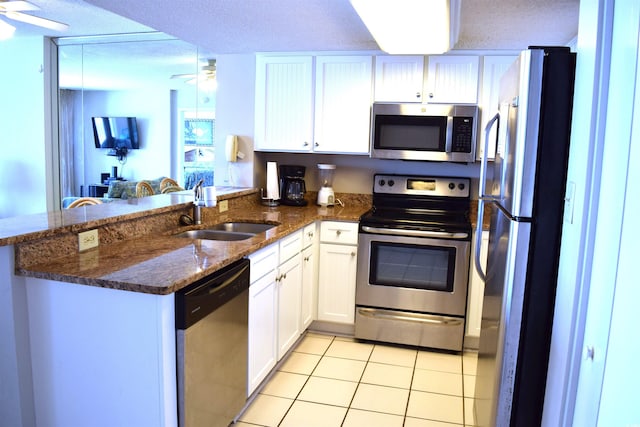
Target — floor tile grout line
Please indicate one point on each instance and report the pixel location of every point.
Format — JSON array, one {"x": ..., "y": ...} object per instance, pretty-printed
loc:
[
  {"x": 295, "y": 399},
  {"x": 344, "y": 419},
  {"x": 413, "y": 374}
]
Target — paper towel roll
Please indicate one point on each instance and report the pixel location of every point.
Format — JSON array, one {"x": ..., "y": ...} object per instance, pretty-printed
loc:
[
  {"x": 210, "y": 197},
  {"x": 273, "y": 190}
]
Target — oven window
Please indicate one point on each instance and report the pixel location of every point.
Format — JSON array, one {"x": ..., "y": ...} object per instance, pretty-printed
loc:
[
  {"x": 422, "y": 133},
  {"x": 412, "y": 266}
]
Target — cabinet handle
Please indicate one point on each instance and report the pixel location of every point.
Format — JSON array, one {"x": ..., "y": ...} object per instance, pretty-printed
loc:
[
  {"x": 431, "y": 95},
  {"x": 317, "y": 144},
  {"x": 338, "y": 232},
  {"x": 305, "y": 144},
  {"x": 418, "y": 95},
  {"x": 306, "y": 259},
  {"x": 353, "y": 253},
  {"x": 310, "y": 234}
]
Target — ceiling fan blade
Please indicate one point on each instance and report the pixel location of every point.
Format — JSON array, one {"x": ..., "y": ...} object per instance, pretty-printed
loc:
[
  {"x": 34, "y": 20},
  {"x": 183, "y": 76},
  {"x": 17, "y": 6}
]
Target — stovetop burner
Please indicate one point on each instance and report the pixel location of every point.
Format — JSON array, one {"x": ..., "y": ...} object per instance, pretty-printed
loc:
[{"x": 419, "y": 203}]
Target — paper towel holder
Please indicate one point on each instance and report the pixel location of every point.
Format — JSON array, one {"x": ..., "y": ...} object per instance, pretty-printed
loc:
[
  {"x": 272, "y": 196},
  {"x": 268, "y": 201}
]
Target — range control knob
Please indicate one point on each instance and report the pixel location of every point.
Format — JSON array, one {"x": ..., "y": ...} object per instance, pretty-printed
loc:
[
  {"x": 381, "y": 183},
  {"x": 461, "y": 186},
  {"x": 391, "y": 182},
  {"x": 452, "y": 186}
]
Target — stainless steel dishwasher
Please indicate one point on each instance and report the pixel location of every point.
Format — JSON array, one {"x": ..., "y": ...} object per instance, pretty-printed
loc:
[{"x": 212, "y": 331}]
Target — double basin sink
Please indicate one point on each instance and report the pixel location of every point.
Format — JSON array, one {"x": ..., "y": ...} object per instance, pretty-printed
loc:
[{"x": 227, "y": 231}]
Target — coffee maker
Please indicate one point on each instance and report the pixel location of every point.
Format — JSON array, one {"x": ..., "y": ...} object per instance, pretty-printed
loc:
[{"x": 292, "y": 187}]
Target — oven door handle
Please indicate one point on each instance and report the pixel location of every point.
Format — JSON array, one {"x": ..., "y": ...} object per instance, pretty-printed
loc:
[
  {"x": 409, "y": 317},
  {"x": 414, "y": 233}
]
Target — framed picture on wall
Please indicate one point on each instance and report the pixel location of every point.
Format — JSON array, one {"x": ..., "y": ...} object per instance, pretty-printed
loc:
[{"x": 199, "y": 131}]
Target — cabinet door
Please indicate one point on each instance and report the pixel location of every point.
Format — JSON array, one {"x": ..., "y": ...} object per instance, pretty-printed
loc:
[
  {"x": 309, "y": 285},
  {"x": 289, "y": 298},
  {"x": 452, "y": 79},
  {"x": 284, "y": 103},
  {"x": 399, "y": 78},
  {"x": 492, "y": 70},
  {"x": 343, "y": 104},
  {"x": 476, "y": 289},
  {"x": 337, "y": 283},
  {"x": 262, "y": 329}
]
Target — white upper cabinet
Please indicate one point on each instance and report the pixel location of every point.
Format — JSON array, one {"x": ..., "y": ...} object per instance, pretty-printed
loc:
[
  {"x": 399, "y": 78},
  {"x": 493, "y": 68},
  {"x": 288, "y": 116},
  {"x": 343, "y": 104},
  {"x": 452, "y": 79},
  {"x": 284, "y": 103}
]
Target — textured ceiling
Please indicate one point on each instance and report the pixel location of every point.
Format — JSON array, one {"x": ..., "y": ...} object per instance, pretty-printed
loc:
[
  {"x": 247, "y": 26},
  {"x": 243, "y": 26}
]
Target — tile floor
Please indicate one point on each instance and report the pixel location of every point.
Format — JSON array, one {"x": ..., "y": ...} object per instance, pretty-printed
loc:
[{"x": 332, "y": 381}]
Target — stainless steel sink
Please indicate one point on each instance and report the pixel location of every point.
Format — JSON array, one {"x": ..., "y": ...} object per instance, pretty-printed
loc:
[
  {"x": 242, "y": 227},
  {"x": 215, "y": 235},
  {"x": 227, "y": 231}
]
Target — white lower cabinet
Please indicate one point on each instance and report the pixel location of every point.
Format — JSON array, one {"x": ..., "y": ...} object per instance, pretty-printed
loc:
[
  {"x": 308, "y": 309},
  {"x": 476, "y": 288},
  {"x": 262, "y": 329},
  {"x": 263, "y": 315},
  {"x": 289, "y": 283},
  {"x": 337, "y": 271}
]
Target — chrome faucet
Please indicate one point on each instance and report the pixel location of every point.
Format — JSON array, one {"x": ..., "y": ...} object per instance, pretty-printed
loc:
[{"x": 198, "y": 202}]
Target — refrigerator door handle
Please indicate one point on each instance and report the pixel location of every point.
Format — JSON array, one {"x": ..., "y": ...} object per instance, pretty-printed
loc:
[
  {"x": 482, "y": 197},
  {"x": 483, "y": 163},
  {"x": 476, "y": 255}
]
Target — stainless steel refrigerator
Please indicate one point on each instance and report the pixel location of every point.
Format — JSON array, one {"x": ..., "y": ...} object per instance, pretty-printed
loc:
[{"x": 525, "y": 197}]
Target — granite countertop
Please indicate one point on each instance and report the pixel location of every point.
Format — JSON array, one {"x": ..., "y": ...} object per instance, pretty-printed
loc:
[
  {"x": 36, "y": 226},
  {"x": 159, "y": 263}
]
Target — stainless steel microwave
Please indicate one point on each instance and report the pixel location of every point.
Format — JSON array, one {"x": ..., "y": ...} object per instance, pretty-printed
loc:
[{"x": 434, "y": 132}]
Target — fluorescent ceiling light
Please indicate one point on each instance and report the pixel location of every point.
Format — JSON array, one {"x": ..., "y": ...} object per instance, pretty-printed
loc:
[
  {"x": 410, "y": 26},
  {"x": 6, "y": 30},
  {"x": 34, "y": 20}
]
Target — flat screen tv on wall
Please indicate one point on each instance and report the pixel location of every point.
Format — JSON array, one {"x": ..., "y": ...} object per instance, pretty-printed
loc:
[{"x": 115, "y": 132}]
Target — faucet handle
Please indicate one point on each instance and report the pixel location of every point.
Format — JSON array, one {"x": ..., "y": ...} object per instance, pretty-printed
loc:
[{"x": 197, "y": 191}]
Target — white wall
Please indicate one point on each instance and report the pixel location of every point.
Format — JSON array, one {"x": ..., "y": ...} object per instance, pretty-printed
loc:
[
  {"x": 235, "y": 116},
  {"x": 23, "y": 181},
  {"x": 16, "y": 389}
]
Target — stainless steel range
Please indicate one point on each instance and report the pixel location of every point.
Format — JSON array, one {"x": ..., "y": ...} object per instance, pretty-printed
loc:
[{"x": 413, "y": 262}]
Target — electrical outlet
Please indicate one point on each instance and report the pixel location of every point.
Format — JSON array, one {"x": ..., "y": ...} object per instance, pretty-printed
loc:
[
  {"x": 223, "y": 205},
  {"x": 87, "y": 240}
]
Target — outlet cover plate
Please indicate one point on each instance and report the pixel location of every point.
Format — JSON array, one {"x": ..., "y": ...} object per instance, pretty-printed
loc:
[
  {"x": 223, "y": 205},
  {"x": 87, "y": 240}
]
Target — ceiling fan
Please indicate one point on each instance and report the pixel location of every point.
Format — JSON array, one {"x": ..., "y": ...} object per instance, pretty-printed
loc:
[
  {"x": 207, "y": 74},
  {"x": 13, "y": 9}
]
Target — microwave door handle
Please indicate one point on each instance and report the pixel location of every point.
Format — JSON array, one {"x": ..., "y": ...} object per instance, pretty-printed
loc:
[
  {"x": 448, "y": 143},
  {"x": 483, "y": 162},
  {"x": 476, "y": 255}
]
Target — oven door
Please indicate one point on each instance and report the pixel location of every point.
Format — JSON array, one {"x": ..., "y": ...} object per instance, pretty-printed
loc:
[{"x": 418, "y": 274}]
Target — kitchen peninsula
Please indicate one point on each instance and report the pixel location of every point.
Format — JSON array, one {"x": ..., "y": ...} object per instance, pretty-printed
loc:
[{"x": 91, "y": 334}]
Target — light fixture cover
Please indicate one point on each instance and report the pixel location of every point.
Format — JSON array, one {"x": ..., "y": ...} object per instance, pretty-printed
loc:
[{"x": 408, "y": 26}]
